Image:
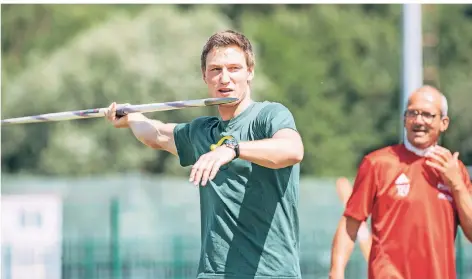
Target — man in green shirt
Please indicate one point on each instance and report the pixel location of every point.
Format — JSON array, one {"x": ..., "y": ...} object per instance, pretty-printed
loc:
[{"x": 246, "y": 161}]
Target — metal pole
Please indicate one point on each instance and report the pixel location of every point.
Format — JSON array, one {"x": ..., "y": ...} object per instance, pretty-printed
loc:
[
  {"x": 89, "y": 258},
  {"x": 460, "y": 255},
  {"x": 412, "y": 66},
  {"x": 115, "y": 238}
]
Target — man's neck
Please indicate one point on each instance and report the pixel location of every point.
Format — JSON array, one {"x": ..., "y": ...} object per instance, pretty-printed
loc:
[
  {"x": 418, "y": 151},
  {"x": 228, "y": 113}
]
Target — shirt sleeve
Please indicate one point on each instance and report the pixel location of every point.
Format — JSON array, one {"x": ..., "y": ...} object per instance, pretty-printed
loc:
[
  {"x": 359, "y": 205},
  {"x": 466, "y": 176},
  {"x": 183, "y": 143},
  {"x": 275, "y": 117}
]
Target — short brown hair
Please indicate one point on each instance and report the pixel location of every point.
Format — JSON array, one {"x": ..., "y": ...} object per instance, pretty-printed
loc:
[{"x": 228, "y": 38}]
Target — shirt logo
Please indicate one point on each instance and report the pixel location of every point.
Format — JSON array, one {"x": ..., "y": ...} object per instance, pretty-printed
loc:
[
  {"x": 402, "y": 183},
  {"x": 445, "y": 193},
  {"x": 443, "y": 196},
  {"x": 443, "y": 187}
]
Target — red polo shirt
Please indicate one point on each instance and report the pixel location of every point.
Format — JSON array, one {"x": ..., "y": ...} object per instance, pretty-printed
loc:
[{"x": 414, "y": 218}]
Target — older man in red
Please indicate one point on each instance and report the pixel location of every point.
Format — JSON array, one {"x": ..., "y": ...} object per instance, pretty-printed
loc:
[{"x": 416, "y": 193}]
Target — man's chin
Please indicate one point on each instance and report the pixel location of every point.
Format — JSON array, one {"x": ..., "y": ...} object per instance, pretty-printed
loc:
[
  {"x": 228, "y": 105},
  {"x": 421, "y": 142}
]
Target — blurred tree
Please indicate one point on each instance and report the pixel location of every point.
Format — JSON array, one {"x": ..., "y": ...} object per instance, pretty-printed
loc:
[
  {"x": 332, "y": 70},
  {"x": 337, "y": 67},
  {"x": 454, "y": 46},
  {"x": 124, "y": 59},
  {"x": 30, "y": 31}
]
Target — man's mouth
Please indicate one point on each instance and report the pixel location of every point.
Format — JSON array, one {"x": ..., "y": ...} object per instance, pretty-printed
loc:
[
  {"x": 225, "y": 90},
  {"x": 419, "y": 131}
]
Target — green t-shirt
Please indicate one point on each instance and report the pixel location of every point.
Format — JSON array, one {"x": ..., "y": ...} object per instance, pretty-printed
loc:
[{"x": 249, "y": 213}]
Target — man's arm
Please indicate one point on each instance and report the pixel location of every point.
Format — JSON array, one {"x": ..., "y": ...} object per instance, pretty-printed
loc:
[
  {"x": 358, "y": 209},
  {"x": 343, "y": 244},
  {"x": 284, "y": 149},
  {"x": 455, "y": 176},
  {"x": 463, "y": 200},
  {"x": 344, "y": 190},
  {"x": 280, "y": 144},
  {"x": 153, "y": 133}
]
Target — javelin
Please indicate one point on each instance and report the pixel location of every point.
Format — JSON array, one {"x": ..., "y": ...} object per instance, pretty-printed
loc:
[{"x": 100, "y": 112}]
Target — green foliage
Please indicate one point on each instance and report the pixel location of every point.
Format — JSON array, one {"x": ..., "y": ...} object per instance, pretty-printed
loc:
[
  {"x": 332, "y": 71},
  {"x": 337, "y": 67},
  {"x": 39, "y": 29},
  {"x": 124, "y": 59},
  {"x": 454, "y": 48}
]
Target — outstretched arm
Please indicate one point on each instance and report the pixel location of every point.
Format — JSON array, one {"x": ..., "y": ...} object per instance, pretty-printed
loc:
[
  {"x": 284, "y": 149},
  {"x": 152, "y": 133}
]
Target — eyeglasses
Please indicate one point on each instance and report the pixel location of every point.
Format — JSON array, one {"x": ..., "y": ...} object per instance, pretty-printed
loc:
[{"x": 426, "y": 116}]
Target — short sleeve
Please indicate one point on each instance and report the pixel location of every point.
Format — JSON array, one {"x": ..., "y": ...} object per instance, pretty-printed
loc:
[
  {"x": 275, "y": 117},
  {"x": 359, "y": 205},
  {"x": 184, "y": 144},
  {"x": 466, "y": 176}
]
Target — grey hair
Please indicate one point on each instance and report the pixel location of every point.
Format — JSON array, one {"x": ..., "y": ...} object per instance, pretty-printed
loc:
[{"x": 444, "y": 106}]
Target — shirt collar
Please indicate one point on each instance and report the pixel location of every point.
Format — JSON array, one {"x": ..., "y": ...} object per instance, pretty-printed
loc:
[{"x": 417, "y": 151}]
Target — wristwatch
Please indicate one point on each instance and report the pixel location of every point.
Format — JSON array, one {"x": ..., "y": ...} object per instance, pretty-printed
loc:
[{"x": 228, "y": 141}]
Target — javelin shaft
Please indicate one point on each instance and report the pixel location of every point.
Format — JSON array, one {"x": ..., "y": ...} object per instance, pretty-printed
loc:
[{"x": 100, "y": 112}]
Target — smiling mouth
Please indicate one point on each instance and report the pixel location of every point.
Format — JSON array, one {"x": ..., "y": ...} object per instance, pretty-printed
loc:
[
  {"x": 225, "y": 90},
  {"x": 419, "y": 131}
]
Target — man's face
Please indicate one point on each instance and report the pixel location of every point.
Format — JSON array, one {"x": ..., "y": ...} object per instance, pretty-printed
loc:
[
  {"x": 423, "y": 121},
  {"x": 227, "y": 73}
]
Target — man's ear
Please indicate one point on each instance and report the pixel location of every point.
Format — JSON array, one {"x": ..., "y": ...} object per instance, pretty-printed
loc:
[
  {"x": 251, "y": 74},
  {"x": 203, "y": 75},
  {"x": 444, "y": 124}
]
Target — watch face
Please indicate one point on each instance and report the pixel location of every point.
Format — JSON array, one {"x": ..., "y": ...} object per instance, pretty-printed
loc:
[
  {"x": 230, "y": 142},
  {"x": 233, "y": 144}
]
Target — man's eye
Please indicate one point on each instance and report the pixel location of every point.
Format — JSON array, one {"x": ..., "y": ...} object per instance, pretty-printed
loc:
[{"x": 427, "y": 114}]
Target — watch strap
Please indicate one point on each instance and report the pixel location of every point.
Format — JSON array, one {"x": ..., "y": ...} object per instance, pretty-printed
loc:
[{"x": 228, "y": 141}]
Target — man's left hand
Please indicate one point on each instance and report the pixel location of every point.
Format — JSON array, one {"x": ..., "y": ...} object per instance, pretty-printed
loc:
[
  {"x": 447, "y": 164},
  {"x": 209, "y": 164}
]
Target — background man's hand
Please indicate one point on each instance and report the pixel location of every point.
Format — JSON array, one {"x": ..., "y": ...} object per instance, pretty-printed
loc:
[
  {"x": 447, "y": 164},
  {"x": 209, "y": 164}
]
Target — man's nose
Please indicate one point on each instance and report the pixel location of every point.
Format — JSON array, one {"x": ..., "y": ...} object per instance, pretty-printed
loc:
[
  {"x": 224, "y": 78},
  {"x": 418, "y": 119}
]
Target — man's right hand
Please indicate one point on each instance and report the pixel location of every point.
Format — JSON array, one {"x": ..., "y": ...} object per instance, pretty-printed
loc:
[{"x": 118, "y": 122}]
